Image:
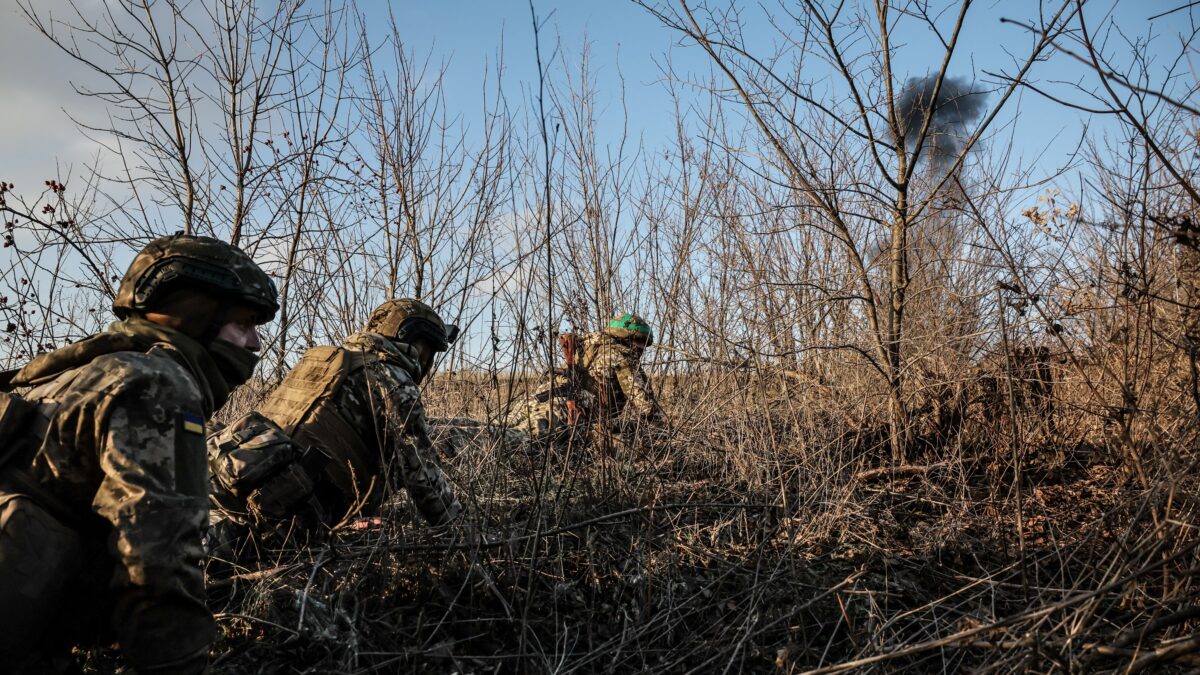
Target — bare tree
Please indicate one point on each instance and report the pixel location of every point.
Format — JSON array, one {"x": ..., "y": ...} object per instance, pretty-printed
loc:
[
  {"x": 139, "y": 50},
  {"x": 851, "y": 152}
]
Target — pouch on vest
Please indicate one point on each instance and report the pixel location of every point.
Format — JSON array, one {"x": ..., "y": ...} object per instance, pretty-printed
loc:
[
  {"x": 280, "y": 494},
  {"x": 290, "y": 490},
  {"x": 248, "y": 452},
  {"x": 258, "y": 470}
]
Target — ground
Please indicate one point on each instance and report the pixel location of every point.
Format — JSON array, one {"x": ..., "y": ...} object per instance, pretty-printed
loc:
[{"x": 713, "y": 551}]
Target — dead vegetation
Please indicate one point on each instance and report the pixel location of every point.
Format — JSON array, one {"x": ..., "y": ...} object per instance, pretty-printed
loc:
[
  {"x": 748, "y": 543},
  {"x": 932, "y": 408}
]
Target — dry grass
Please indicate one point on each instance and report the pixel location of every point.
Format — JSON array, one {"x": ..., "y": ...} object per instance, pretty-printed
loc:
[
  {"x": 753, "y": 538},
  {"x": 861, "y": 473}
]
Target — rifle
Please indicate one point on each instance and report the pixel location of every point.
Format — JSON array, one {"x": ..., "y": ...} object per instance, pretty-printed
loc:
[{"x": 567, "y": 342}]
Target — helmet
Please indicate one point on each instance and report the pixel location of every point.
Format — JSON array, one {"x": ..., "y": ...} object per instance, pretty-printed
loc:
[
  {"x": 630, "y": 327},
  {"x": 406, "y": 319},
  {"x": 201, "y": 263}
]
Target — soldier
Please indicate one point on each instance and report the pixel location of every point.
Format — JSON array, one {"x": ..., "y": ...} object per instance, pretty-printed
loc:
[
  {"x": 103, "y": 483},
  {"x": 456, "y": 436},
  {"x": 602, "y": 378},
  {"x": 360, "y": 404}
]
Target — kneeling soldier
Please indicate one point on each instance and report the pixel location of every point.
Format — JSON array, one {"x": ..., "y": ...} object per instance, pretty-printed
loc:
[
  {"x": 359, "y": 404},
  {"x": 602, "y": 378},
  {"x": 103, "y": 481}
]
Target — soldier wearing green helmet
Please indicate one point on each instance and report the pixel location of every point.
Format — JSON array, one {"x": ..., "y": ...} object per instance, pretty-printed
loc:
[
  {"x": 602, "y": 379},
  {"x": 103, "y": 481},
  {"x": 359, "y": 404},
  {"x": 630, "y": 328}
]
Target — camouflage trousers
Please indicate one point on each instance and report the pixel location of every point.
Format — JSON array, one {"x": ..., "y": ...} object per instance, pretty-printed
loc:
[
  {"x": 455, "y": 435},
  {"x": 540, "y": 416}
]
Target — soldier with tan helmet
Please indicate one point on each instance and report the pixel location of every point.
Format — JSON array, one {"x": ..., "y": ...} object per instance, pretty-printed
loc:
[
  {"x": 602, "y": 378},
  {"x": 359, "y": 404},
  {"x": 103, "y": 481}
]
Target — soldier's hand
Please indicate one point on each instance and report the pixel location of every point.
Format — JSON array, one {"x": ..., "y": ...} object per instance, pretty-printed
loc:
[{"x": 362, "y": 524}]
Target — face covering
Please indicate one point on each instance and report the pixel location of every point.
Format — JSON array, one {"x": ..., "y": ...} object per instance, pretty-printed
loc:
[
  {"x": 426, "y": 362},
  {"x": 235, "y": 363},
  {"x": 202, "y": 363}
]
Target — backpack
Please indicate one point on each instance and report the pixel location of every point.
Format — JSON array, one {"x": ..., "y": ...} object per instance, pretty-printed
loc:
[{"x": 17, "y": 412}]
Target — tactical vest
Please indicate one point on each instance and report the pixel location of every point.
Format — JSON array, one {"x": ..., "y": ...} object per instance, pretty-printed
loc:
[
  {"x": 303, "y": 406},
  {"x": 609, "y": 397}
]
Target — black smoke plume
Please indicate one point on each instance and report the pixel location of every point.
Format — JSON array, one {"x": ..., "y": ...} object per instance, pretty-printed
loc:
[{"x": 956, "y": 107}]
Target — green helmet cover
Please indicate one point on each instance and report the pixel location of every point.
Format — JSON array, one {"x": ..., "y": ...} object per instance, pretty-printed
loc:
[
  {"x": 407, "y": 319},
  {"x": 184, "y": 261},
  {"x": 630, "y": 327}
]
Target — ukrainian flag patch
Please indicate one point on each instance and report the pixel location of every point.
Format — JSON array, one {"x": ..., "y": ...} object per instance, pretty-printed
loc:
[{"x": 193, "y": 423}]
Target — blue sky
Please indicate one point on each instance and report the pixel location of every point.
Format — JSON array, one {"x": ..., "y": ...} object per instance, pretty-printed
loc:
[
  {"x": 627, "y": 43},
  {"x": 37, "y": 137},
  {"x": 38, "y": 140}
]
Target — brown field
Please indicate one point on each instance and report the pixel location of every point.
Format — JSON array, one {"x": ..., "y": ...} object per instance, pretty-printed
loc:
[
  {"x": 753, "y": 537},
  {"x": 924, "y": 281}
]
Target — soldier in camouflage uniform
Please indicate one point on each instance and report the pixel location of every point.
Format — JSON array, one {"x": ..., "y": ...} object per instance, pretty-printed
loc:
[
  {"x": 360, "y": 404},
  {"x": 455, "y": 436},
  {"x": 103, "y": 482},
  {"x": 604, "y": 380}
]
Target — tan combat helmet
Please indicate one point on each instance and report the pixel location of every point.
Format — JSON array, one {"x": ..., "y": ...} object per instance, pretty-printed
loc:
[
  {"x": 406, "y": 319},
  {"x": 201, "y": 263},
  {"x": 630, "y": 327}
]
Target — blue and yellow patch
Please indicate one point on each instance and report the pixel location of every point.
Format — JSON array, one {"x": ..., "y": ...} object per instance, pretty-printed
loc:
[{"x": 192, "y": 423}]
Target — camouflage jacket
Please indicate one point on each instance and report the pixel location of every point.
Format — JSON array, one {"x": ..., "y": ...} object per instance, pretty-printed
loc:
[
  {"x": 612, "y": 372},
  {"x": 372, "y": 424},
  {"x": 119, "y": 451}
]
